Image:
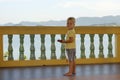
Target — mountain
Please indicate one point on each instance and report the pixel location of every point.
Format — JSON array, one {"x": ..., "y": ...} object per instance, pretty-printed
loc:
[
  {"x": 105, "y": 20},
  {"x": 9, "y": 24},
  {"x": 81, "y": 21}
]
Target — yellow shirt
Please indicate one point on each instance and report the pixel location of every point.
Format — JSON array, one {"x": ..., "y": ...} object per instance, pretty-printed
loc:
[{"x": 70, "y": 33}]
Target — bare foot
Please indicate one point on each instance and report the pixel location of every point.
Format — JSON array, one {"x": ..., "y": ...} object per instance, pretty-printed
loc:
[{"x": 68, "y": 74}]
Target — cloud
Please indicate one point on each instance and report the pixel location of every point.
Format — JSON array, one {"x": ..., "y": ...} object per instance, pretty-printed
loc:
[
  {"x": 106, "y": 5},
  {"x": 100, "y": 5},
  {"x": 14, "y": 0},
  {"x": 70, "y": 4}
]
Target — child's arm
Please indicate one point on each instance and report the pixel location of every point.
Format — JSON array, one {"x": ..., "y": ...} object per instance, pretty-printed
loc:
[{"x": 66, "y": 41}]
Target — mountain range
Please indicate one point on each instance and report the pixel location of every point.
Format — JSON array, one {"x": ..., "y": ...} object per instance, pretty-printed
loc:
[{"x": 81, "y": 21}]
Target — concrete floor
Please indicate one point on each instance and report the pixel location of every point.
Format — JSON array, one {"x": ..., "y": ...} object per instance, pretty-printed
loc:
[{"x": 83, "y": 72}]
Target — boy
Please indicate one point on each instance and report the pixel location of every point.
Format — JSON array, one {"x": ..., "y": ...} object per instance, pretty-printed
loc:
[{"x": 70, "y": 45}]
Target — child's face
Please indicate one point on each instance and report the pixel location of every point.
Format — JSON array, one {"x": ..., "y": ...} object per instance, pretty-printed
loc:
[{"x": 70, "y": 24}]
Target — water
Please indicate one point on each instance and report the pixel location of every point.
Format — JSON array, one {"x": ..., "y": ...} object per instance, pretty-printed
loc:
[{"x": 37, "y": 44}]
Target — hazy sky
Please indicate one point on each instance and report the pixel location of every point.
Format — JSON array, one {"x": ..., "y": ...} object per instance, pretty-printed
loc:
[{"x": 43, "y": 10}]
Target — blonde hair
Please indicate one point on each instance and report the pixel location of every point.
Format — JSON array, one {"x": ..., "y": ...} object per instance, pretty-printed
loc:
[{"x": 71, "y": 18}]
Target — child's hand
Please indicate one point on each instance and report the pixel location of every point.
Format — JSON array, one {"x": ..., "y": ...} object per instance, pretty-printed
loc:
[{"x": 60, "y": 41}]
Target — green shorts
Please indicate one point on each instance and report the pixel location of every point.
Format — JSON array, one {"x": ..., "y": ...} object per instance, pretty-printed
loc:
[{"x": 71, "y": 54}]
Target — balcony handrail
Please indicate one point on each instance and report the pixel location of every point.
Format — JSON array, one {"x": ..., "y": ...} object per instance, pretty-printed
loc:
[
  {"x": 5, "y": 30},
  {"x": 58, "y": 29}
]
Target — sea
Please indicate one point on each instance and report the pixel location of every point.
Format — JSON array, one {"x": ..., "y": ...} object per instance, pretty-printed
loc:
[{"x": 37, "y": 45}]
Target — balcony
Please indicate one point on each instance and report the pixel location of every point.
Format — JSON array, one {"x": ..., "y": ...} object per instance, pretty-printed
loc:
[{"x": 92, "y": 46}]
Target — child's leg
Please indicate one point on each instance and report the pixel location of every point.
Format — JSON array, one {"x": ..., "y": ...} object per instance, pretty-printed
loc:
[
  {"x": 74, "y": 64},
  {"x": 70, "y": 72},
  {"x": 71, "y": 55},
  {"x": 74, "y": 67}
]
